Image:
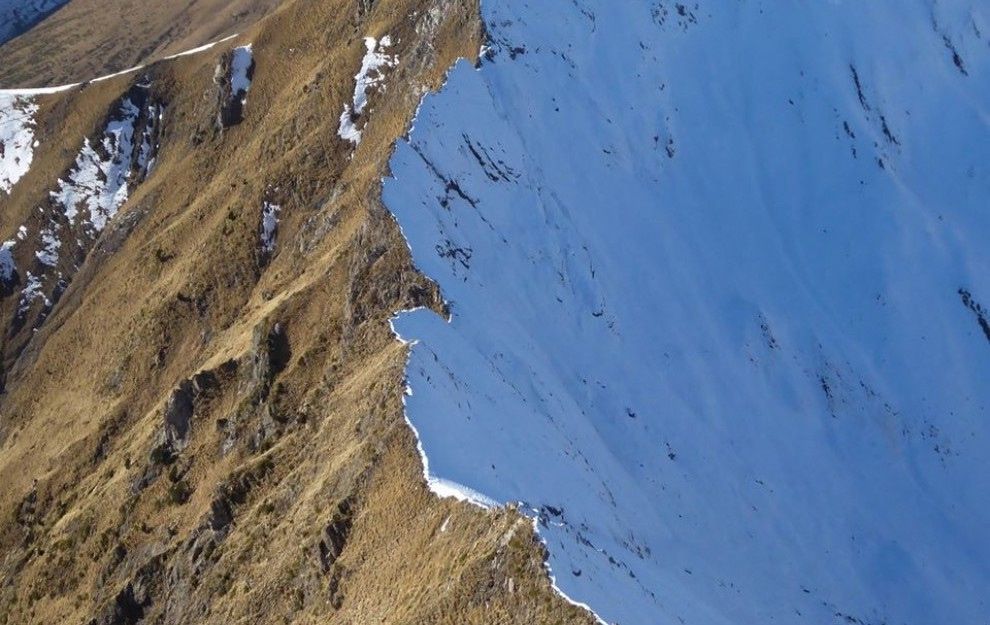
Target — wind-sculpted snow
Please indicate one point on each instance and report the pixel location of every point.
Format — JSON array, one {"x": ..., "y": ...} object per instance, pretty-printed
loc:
[
  {"x": 17, "y": 16},
  {"x": 719, "y": 280}
]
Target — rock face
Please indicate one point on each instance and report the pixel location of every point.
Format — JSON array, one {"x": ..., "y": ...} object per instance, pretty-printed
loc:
[
  {"x": 334, "y": 535},
  {"x": 127, "y": 608},
  {"x": 233, "y": 79},
  {"x": 178, "y": 414}
]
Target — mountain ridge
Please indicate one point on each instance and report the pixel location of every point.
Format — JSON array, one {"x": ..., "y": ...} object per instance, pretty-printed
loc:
[{"x": 695, "y": 309}]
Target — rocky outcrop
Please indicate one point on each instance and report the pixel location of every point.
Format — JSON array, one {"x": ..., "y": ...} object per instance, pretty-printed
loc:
[
  {"x": 130, "y": 604},
  {"x": 334, "y": 535},
  {"x": 233, "y": 79},
  {"x": 178, "y": 414}
]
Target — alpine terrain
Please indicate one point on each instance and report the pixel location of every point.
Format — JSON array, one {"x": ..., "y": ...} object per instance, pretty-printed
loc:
[{"x": 432, "y": 311}]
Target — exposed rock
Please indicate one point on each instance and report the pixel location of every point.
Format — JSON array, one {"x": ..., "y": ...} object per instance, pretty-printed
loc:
[
  {"x": 334, "y": 536},
  {"x": 279, "y": 350},
  {"x": 126, "y": 609},
  {"x": 131, "y": 603},
  {"x": 178, "y": 414},
  {"x": 232, "y": 82}
]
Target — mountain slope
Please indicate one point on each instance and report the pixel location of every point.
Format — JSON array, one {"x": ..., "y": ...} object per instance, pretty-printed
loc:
[
  {"x": 201, "y": 415},
  {"x": 18, "y": 16},
  {"x": 718, "y": 284},
  {"x": 88, "y": 38}
]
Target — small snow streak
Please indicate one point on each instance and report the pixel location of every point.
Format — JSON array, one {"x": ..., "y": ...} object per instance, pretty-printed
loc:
[{"x": 33, "y": 291}]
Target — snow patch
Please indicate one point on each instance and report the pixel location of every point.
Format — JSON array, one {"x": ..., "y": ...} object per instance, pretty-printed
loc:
[
  {"x": 269, "y": 226},
  {"x": 7, "y": 266},
  {"x": 16, "y": 138},
  {"x": 98, "y": 181},
  {"x": 149, "y": 140},
  {"x": 240, "y": 67},
  {"x": 32, "y": 291},
  {"x": 372, "y": 74},
  {"x": 50, "y": 244}
]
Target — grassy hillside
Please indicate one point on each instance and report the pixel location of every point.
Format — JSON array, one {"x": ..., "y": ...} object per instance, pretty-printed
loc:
[
  {"x": 198, "y": 431},
  {"x": 89, "y": 38}
]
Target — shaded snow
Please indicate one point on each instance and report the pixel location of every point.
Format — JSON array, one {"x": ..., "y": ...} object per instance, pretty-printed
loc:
[
  {"x": 372, "y": 74},
  {"x": 718, "y": 291},
  {"x": 50, "y": 244},
  {"x": 32, "y": 291},
  {"x": 269, "y": 226},
  {"x": 7, "y": 266},
  {"x": 16, "y": 138},
  {"x": 240, "y": 68},
  {"x": 17, "y": 16}
]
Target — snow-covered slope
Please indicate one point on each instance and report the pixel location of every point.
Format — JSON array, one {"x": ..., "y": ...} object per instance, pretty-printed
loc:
[
  {"x": 16, "y": 16},
  {"x": 719, "y": 278}
]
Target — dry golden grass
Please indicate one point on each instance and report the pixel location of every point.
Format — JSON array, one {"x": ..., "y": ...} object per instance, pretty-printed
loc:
[
  {"x": 90, "y": 38},
  {"x": 311, "y": 456}
]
